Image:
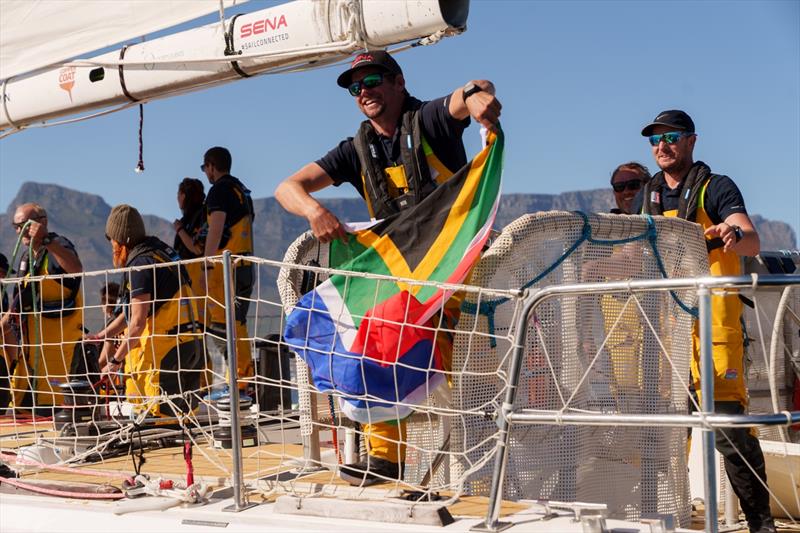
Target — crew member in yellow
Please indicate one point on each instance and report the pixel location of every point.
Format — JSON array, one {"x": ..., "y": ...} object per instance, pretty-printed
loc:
[
  {"x": 624, "y": 342},
  {"x": 191, "y": 201},
  {"x": 688, "y": 189},
  {"x": 229, "y": 226},
  {"x": 399, "y": 155},
  {"x": 46, "y": 315},
  {"x": 160, "y": 347}
]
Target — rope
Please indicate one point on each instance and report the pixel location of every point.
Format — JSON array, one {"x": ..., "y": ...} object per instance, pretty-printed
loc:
[
  {"x": 334, "y": 434},
  {"x": 187, "y": 457},
  {"x": 140, "y": 165},
  {"x": 62, "y": 493},
  {"x": 57, "y": 468},
  {"x": 137, "y": 466}
]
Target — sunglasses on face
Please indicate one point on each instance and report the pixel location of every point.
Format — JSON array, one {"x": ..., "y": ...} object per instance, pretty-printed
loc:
[
  {"x": 370, "y": 81},
  {"x": 203, "y": 167},
  {"x": 630, "y": 185},
  {"x": 670, "y": 138},
  {"x": 19, "y": 225}
]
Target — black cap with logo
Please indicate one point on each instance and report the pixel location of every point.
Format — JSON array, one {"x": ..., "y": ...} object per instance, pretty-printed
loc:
[
  {"x": 376, "y": 58},
  {"x": 674, "y": 118}
]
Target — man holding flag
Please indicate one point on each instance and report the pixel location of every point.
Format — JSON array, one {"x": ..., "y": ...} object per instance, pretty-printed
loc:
[{"x": 406, "y": 151}]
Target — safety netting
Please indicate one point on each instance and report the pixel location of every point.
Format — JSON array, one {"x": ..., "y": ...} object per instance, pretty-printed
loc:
[
  {"x": 598, "y": 352},
  {"x": 169, "y": 406}
]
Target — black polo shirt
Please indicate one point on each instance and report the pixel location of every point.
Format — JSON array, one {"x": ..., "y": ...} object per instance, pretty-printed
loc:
[
  {"x": 722, "y": 199},
  {"x": 227, "y": 194},
  {"x": 440, "y": 129}
]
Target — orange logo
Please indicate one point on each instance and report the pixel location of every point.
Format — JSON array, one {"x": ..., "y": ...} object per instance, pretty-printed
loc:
[{"x": 66, "y": 79}]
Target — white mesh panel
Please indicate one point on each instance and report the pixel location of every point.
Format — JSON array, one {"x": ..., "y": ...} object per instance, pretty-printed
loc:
[{"x": 633, "y": 470}]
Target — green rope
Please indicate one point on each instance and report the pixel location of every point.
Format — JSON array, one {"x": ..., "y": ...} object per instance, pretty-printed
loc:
[{"x": 37, "y": 354}]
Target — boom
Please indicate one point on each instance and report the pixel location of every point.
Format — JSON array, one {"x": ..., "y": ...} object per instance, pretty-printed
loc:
[{"x": 296, "y": 35}]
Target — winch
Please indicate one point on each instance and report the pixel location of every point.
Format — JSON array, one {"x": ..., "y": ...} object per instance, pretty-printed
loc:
[
  {"x": 79, "y": 408},
  {"x": 223, "y": 436}
]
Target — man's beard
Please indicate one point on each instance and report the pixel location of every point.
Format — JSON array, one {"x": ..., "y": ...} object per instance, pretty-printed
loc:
[
  {"x": 119, "y": 256},
  {"x": 375, "y": 114}
]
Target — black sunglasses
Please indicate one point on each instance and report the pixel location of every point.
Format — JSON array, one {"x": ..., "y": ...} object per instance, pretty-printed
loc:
[
  {"x": 631, "y": 185},
  {"x": 19, "y": 225}
]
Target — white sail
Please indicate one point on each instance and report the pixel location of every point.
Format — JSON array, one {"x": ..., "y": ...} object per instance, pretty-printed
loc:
[
  {"x": 292, "y": 35},
  {"x": 38, "y": 33}
]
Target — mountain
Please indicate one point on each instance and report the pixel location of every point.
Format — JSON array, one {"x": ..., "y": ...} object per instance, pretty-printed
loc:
[{"x": 81, "y": 217}]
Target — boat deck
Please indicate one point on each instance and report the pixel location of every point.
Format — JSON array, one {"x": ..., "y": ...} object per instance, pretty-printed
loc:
[{"x": 282, "y": 491}]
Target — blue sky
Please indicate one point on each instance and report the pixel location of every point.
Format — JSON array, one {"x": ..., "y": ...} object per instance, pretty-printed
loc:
[{"x": 577, "y": 80}]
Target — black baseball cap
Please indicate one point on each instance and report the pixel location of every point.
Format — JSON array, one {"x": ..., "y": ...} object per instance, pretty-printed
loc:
[
  {"x": 375, "y": 58},
  {"x": 674, "y": 118}
]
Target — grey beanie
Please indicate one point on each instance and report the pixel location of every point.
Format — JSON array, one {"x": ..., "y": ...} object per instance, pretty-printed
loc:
[{"x": 125, "y": 225}]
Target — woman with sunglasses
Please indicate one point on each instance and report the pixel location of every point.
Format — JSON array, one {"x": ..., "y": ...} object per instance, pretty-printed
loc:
[{"x": 626, "y": 181}]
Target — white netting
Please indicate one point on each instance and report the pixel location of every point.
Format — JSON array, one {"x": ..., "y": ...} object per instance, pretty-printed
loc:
[
  {"x": 595, "y": 353},
  {"x": 612, "y": 353}
]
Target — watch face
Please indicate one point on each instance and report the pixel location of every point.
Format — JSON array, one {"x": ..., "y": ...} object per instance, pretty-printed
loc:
[{"x": 470, "y": 89}]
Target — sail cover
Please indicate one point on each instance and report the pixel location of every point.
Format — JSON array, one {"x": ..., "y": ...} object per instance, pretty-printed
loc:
[{"x": 38, "y": 33}]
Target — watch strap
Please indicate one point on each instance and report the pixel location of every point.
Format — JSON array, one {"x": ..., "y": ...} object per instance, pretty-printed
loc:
[
  {"x": 737, "y": 231},
  {"x": 469, "y": 89}
]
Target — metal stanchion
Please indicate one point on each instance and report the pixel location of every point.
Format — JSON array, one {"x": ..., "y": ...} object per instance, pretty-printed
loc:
[
  {"x": 492, "y": 523},
  {"x": 707, "y": 394},
  {"x": 240, "y": 502}
]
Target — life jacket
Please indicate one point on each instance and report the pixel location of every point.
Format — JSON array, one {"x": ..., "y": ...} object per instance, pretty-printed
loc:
[
  {"x": 237, "y": 233},
  {"x": 727, "y": 310},
  {"x": 192, "y": 223},
  {"x": 690, "y": 199},
  {"x": 173, "y": 286},
  {"x": 391, "y": 186},
  {"x": 57, "y": 297}
]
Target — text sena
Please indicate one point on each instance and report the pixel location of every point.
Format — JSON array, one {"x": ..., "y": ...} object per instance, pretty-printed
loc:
[{"x": 261, "y": 26}]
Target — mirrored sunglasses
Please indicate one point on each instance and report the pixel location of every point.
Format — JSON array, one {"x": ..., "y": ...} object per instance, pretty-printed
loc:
[
  {"x": 370, "y": 81},
  {"x": 670, "y": 137}
]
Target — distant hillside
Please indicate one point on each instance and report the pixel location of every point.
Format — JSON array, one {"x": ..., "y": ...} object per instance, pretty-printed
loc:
[{"x": 81, "y": 217}]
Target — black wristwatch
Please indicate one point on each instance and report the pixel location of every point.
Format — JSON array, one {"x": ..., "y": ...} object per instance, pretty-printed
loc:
[
  {"x": 738, "y": 233},
  {"x": 469, "y": 89}
]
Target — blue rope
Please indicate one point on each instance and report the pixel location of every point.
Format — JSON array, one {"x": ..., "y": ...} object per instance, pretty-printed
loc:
[
  {"x": 486, "y": 308},
  {"x": 652, "y": 240},
  {"x": 489, "y": 307}
]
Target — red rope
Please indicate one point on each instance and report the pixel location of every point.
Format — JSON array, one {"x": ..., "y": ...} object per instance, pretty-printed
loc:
[
  {"x": 140, "y": 164},
  {"x": 187, "y": 456}
]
